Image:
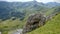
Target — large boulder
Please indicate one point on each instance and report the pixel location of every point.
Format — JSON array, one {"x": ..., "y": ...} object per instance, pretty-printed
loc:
[{"x": 33, "y": 22}]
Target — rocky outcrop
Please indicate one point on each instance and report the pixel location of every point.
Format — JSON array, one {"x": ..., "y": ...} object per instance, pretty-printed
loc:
[{"x": 33, "y": 22}]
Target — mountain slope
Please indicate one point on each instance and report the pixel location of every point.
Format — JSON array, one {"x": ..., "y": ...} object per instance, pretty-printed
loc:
[
  {"x": 51, "y": 27},
  {"x": 18, "y": 9},
  {"x": 53, "y": 10},
  {"x": 52, "y": 4}
]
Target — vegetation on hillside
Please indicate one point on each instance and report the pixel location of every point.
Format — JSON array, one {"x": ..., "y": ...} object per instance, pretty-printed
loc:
[
  {"x": 13, "y": 15},
  {"x": 51, "y": 27}
]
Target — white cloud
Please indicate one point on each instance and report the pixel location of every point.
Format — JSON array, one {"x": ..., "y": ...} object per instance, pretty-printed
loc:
[
  {"x": 45, "y": 1},
  {"x": 57, "y": 1},
  {"x": 16, "y": 0}
]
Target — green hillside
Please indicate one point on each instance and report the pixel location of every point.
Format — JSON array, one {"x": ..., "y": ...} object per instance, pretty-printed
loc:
[
  {"x": 13, "y": 15},
  {"x": 53, "y": 10},
  {"x": 51, "y": 27},
  {"x": 10, "y": 25}
]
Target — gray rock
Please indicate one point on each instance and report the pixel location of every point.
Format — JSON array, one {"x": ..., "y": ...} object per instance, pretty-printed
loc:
[{"x": 33, "y": 22}]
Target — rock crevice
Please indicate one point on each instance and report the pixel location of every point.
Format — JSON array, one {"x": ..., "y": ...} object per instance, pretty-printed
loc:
[{"x": 33, "y": 22}]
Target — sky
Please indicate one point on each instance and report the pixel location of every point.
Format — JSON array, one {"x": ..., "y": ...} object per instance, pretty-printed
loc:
[{"x": 44, "y": 1}]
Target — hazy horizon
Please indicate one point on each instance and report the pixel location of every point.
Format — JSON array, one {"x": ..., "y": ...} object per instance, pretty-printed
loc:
[{"x": 44, "y": 1}]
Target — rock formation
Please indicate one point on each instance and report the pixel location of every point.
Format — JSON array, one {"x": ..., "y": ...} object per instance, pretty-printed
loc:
[{"x": 33, "y": 22}]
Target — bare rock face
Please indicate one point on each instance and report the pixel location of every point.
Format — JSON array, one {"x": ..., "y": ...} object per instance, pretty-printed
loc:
[{"x": 33, "y": 22}]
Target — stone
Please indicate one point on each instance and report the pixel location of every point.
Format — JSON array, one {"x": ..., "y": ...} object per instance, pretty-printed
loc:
[{"x": 33, "y": 22}]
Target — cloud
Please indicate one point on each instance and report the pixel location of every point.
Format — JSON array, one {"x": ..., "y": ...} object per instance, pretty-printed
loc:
[
  {"x": 2, "y": 0},
  {"x": 57, "y": 1},
  {"x": 16, "y": 0},
  {"x": 44, "y": 1}
]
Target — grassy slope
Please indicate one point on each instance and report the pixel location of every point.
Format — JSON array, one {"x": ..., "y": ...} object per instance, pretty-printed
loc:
[
  {"x": 11, "y": 24},
  {"x": 53, "y": 10},
  {"x": 51, "y": 27}
]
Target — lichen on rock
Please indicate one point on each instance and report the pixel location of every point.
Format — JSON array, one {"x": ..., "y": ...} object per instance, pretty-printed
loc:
[{"x": 33, "y": 22}]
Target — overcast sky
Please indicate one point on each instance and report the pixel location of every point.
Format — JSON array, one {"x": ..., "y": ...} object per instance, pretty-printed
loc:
[{"x": 44, "y": 1}]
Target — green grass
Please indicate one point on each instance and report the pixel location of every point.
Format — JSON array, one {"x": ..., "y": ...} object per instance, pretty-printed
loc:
[
  {"x": 51, "y": 27},
  {"x": 50, "y": 11},
  {"x": 11, "y": 24}
]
